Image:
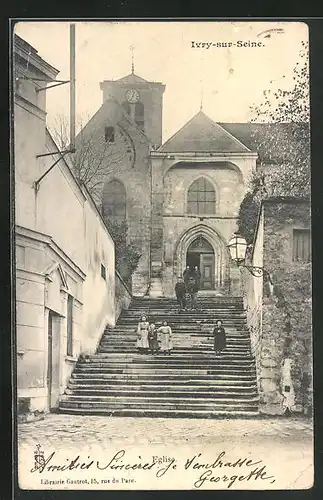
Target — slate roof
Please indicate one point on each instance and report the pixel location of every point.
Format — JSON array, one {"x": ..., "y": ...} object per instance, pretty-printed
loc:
[
  {"x": 255, "y": 136},
  {"x": 201, "y": 134}
]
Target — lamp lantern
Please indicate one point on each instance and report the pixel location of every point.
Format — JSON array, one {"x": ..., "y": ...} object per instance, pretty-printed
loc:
[{"x": 237, "y": 247}]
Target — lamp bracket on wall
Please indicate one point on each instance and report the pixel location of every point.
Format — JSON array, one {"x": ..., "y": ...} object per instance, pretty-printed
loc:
[
  {"x": 52, "y": 86},
  {"x": 62, "y": 154},
  {"x": 56, "y": 84},
  {"x": 257, "y": 272}
]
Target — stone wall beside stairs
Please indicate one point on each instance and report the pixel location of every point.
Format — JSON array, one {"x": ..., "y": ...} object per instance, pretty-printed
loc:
[
  {"x": 279, "y": 310},
  {"x": 123, "y": 296}
]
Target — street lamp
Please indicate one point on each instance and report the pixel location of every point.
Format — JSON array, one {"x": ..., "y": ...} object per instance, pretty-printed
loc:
[{"x": 238, "y": 248}]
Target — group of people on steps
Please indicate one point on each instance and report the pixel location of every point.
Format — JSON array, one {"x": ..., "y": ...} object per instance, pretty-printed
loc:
[
  {"x": 159, "y": 340},
  {"x": 153, "y": 339}
]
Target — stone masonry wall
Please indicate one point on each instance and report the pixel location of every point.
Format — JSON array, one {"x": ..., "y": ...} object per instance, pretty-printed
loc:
[
  {"x": 286, "y": 344},
  {"x": 130, "y": 167}
]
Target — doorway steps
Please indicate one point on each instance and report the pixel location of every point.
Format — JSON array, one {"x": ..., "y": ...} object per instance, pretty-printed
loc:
[{"x": 191, "y": 382}]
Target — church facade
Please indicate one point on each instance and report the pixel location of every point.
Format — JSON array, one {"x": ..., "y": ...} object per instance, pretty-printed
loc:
[{"x": 180, "y": 198}]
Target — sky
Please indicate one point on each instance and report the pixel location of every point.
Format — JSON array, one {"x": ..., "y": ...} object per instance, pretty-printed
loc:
[{"x": 228, "y": 80}]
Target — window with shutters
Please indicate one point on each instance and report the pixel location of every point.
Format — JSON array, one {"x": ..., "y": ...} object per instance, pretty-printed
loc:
[
  {"x": 302, "y": 245},
  {"x": 201, "y": 197}
]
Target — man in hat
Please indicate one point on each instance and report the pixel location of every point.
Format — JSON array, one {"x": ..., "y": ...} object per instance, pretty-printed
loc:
[
  {"x": 192, "y": 290},
  {"x": 187, "y": 274}
]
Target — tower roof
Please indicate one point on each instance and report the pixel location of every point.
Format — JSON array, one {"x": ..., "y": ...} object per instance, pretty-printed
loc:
[
  {"x": 201, "y": 134},
  {"x": 131, "y": 78}
]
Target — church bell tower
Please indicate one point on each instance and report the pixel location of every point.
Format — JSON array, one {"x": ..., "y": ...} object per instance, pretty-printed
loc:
[{"x": 141, "y": 100}]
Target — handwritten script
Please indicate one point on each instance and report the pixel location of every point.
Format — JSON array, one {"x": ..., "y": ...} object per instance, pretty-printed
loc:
[{"x": 222, "y": 469}]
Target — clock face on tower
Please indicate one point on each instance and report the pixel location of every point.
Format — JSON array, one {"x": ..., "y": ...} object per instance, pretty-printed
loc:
[{"x": 132, "y": 95}]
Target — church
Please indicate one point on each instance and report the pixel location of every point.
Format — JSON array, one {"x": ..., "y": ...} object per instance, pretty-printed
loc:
[
  {"x": 180, "y": 198},
  {"x": 180, "y": 201}
]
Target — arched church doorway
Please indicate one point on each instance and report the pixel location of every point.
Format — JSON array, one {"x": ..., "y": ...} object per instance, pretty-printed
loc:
[{"x": 200, "y": 253}]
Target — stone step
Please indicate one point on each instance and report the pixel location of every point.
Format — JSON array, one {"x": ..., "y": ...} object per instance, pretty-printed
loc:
[
  {"x": 139, "y": 400},
  {"x": 177, "y": 322},
  {"x": 187, "y": 314},
  {"x": 184, "y": 314},
  {"x": 228, "y": 360},
  {"x": 174, "y": 370},
  {"x": 166, "y": 395},
  {"x": 161, "y": 357},
  {"x": 177, "y": 347},
  {"x": 195, "y": 334},
  {"x": 157, "y": 364},
  {"x": 146, "y": 384},
  {"x": 220, "y": 365},
  {"x": 176, "y": 375},
  {"x": 179, "y": 343},
  {"x": 163, "y": 391},
  {"x": 215, "y": 376},
  {"x": 182, "y": 334},
  {"x": 182, "y": 325},
  {"x": 238, "y": 339},
  {"x": 172, "y": 411},
  {"x": 151, "y": 413},
  {"x": 166, "y": 361},
  {"x": 173, "y": 386},
  {"x": 186, "y": 355},
  {"x": 214, "y": 301},
  {"x": 105, "y": 348}
]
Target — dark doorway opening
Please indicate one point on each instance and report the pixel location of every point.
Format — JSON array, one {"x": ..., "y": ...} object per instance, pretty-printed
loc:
[
  {"x": 53, "y": 359},
  {"x": 200, "y": 254}
]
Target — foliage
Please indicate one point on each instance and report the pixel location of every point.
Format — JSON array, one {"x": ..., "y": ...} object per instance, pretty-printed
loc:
[
  {"x": 127, "y": 255},
  {"x": 286, "y": 148},
  {"x": 93, "y": 159},
  {"x": 283, "y": 137},
  {"x": 248, "y": 214}
]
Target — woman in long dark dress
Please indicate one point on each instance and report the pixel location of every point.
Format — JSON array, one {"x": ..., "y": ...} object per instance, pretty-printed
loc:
[{"x": 219, "y": 337}]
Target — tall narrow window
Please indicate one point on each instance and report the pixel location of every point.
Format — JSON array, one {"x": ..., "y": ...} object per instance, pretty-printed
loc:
[
  {"x": 69, "y": 325},
  {"x": 103, "y": 272},
  {"x": 114, "y": 201},
  {"x": 201, "y": 197},
  {"x": 301, "y": 245},
  {"x": 126, "y": 107},
  {"x": 109, "y": 134},
  {"x": 140, "y": 115}
]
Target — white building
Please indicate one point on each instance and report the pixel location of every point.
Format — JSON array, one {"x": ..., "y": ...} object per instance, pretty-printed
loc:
[{"x": 65, "y": 273}]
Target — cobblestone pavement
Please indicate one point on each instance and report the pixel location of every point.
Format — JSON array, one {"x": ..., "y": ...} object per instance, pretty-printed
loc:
[
  {"x": 69, "y": 429},
  {"x": 283, "y": 446}
]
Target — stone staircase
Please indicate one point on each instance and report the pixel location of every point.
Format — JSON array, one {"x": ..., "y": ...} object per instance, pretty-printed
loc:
[{"x": 192, "y": 382}]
